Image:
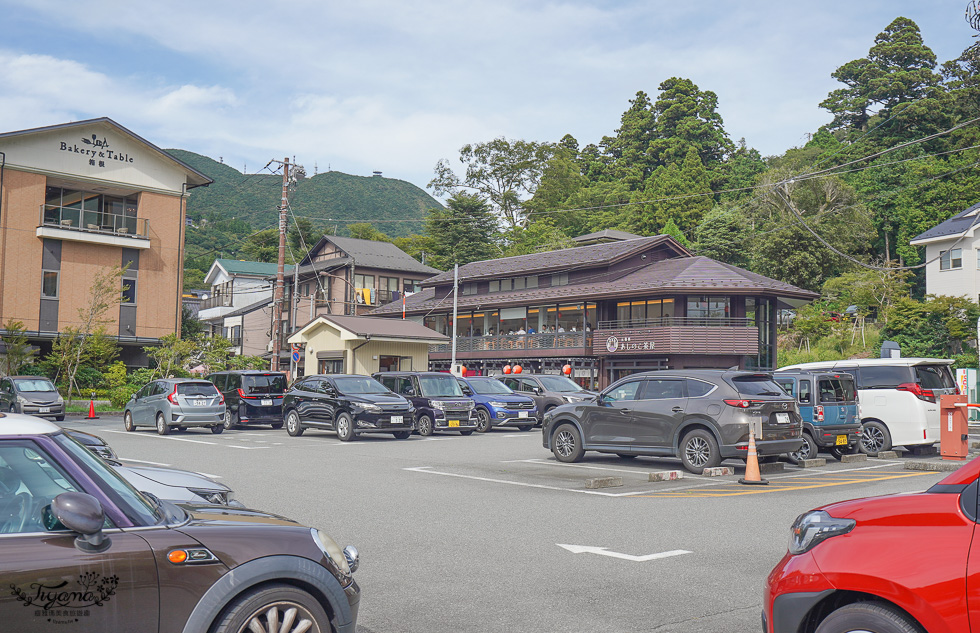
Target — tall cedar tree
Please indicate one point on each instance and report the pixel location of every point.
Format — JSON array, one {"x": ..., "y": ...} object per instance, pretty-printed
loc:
[{"x": 465, "y": 231}]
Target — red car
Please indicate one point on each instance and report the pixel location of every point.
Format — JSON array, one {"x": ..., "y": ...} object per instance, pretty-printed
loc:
[{"x": 905, "y": 563}]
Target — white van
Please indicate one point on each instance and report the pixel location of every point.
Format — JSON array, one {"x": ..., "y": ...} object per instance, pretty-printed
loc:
[{"x": 899, "y": 398}]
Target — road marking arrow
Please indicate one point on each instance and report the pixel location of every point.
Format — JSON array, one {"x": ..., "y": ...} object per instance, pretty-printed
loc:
[{"x": 604, "y": 551}]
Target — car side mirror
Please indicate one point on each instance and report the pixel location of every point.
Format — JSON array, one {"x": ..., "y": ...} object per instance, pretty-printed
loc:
[
  {"x": 81, "y": 513},
  {"x": 467, "y": 391},
  {"x": 536, "y": 390}
]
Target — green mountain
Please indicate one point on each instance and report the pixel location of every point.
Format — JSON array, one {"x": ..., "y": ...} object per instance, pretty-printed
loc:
[
  {"x": 237, "y": 205},
  {"x": 396, "y": 207}
]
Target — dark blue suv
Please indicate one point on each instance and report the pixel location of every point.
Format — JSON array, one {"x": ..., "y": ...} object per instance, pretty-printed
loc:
[{"x": 498, "y": 405}]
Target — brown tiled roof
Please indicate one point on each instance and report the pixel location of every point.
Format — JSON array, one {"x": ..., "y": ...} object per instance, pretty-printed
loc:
[
  {"x": 560, "y": 260},
  {"x": 373, "y": 254},
  {"x": 688, "y": 274}
]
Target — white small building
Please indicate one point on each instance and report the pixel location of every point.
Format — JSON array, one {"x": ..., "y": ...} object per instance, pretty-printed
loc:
[
  {"x": 235, "y": 285},
  {"x": 953, "y": 253}
]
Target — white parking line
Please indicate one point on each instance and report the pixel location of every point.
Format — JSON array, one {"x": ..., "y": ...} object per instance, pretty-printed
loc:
[
  {"x": 545, "y": 462},
  {"x": 428, "y": 470},
  {"x": 187, "y": 439}
]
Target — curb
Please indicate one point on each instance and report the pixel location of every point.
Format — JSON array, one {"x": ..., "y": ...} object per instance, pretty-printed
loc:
[
  {"x": 941, "y": 467},
  {"x": 856, "y": 457},
  {"x": 771, "y": 467},
  {"x": 885, "y": 455},
  {"x": 603, "y": 482},
  {"x": 718, "y": 471},
  {"x": 666, "y": 475},
  {"x": 815, "y": 462}
]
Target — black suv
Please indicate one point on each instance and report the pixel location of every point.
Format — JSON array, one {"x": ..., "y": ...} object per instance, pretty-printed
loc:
[
  {"x": 547, "y": 390},
  {"x": 349, "y": 405},
  {"x": 701, "y": 416},
  {"x": 251, "y": 396},
  {"x": 438, "y": 399}
]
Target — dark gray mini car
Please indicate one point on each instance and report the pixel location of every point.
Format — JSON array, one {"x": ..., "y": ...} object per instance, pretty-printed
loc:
[
  {"x": 176, "y": 403},
  {"x": 438, "y": 400},
  {"x": 33, "y": 395},
  {"x": 701, "y": 416},
  {"x": 82, "y": 550}
]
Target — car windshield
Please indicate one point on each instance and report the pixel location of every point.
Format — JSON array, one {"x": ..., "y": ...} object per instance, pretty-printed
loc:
[
  {"x": 139, "y": 509},
  {"x": 25, "y": 385},
  {"x": 758, "y": 385},
  {"x": 559, "y": 383},
  {"x": 197, "y": 389},
  {"x": 934, "y": 376},
  {"x": 359, "y": 384},
  {"x": 439, "y": 386},
  {"x": 490, "y": 387},
  {"x": 264, "y": 384}
]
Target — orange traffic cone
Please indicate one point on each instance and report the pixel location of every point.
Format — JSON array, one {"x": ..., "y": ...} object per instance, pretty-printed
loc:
[
  {"x": 752, "y": 475},
  {"x": 91, "y": 411}
]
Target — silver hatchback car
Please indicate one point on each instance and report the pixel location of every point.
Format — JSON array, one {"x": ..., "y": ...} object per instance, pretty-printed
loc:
[{"x": 176, "y": 403}]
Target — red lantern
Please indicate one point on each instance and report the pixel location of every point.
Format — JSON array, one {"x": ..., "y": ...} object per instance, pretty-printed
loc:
[
  {"x": 462, "y": 371},
  {"x": 518, "y": 369},
  {"x": 506, "y": 369},
  {"x": 567, "y": 370}
]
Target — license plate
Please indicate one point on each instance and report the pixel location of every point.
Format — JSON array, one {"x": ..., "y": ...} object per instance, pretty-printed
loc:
[
  {"x": 396, "y": 419},
  {"x": 454, "y": 423},
  {"x": 841, "y": 440},
  {"x": 782, "y": 418},
  {"x": 200, "y": 403},
  {"x": 266, "y": 402},
  {"x": 44, "y": 410},
  {"x": 522, "y": 414}
]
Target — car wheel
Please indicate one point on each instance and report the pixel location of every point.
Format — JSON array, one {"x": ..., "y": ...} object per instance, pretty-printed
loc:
[
  {"x": 625, "y": 456},
  {"x": 699, "y": 450},
  {"x": 345, "y": 427},
  {"x": 425, "y": 426},
  {"x": 162, "y": 427},
  {"x": 525, "y": 427},
  {"x": 293, "y": 426},
  {"x": 875, "y": 438},
  {"x": 218, "y": 429},
  {"x": 808, "y": 450},
  {"x": 483, "y": 423},
  {"x": 230, "y": 420},
  {"x": 128, "y": 422},
  {"x": 402, "y": 435},
  {"x": 566, "y": 444},
  {"x": 276, "y": 425},
  {"x": 464, "y": 433},
  {"x": 59, "y": 418},
  {"x": 867, "y": 616},
  {"x": 281, "y": 608}
]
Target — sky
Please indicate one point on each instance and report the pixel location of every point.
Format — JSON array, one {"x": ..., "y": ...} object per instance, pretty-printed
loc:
[{"x": 395, "y": 86}]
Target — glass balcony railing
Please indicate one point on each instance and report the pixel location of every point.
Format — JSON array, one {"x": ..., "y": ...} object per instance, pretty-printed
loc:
[
  {"x": 92, "y": 221},
  {"x": 560, "y": 340}
]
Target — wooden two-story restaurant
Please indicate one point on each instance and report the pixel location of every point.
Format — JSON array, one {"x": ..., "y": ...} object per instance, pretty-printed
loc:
[{"x": 608, "y": 310}]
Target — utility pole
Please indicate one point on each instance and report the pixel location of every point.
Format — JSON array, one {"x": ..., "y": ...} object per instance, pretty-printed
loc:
[{"x": 277, "y": 301}]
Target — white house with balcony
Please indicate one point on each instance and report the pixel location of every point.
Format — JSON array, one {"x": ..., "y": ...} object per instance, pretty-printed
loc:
[
  {"x": 953, "y": 255},
  {"x": 235, "y": 285}
]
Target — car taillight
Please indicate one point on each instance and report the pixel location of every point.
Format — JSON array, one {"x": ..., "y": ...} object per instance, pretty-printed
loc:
[
  {"x": 241, "y": 393},
  {"x": 173, "y": 396},
  {"x": 819, "y": 411},
  {"x": 916, "y": 390},
  {"x": 742, "y": 404},
  {"x": 221, "y": 398}
]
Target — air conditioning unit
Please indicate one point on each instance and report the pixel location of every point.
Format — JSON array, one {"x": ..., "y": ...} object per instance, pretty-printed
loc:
[{"x": 268, "y": 347}]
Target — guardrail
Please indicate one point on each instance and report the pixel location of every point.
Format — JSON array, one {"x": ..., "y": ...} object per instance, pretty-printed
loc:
[
  {"x": 85, "y": 220},
  {"x": 560, "y": 340},
  {"x": 676, "y": 322}
]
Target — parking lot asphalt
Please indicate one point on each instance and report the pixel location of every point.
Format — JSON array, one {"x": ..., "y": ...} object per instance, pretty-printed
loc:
[{"x": 490, "y": 533}]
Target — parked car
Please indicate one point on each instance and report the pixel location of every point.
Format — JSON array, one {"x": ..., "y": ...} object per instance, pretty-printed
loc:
[
  {"x": 251, "y": 396},
  {"x": 899, "y": 398},
  {"x": 498, "y": 405},
  {"x": 171, "y": 484},
  {"x": 438, "y": 400},
  {"x": 350, "y": 405},
  {"x": 32, "y": 395},
  {"x": 829, "y": 407},
  {"x": 893, "y": 564},
  {"x": 547, "y": 390},
  {"x": 701, "y": 416},
  {"x": 73, "y": 525},
  {"x": 175, "y": 403}
]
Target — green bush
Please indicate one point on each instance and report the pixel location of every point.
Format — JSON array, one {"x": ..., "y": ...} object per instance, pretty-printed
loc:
[{"x": 119, "y": 396}]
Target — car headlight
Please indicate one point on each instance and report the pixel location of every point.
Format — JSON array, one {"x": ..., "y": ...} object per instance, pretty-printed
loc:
[
  {"x": 569, "y": 399},
  {"x": 330, "y": 548},
  {"x": 60, "y": 399},
  {"x": 219, "y": 497},
  {"x": 436, "y": 404},
  {"x": 499, "y": 405},
  {"x": 367, "y": 406},
  {"x": 811, "y": 528},
  {"x": 22, "y": 400}
]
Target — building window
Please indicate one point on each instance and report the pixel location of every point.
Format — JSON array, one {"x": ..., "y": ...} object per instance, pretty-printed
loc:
[
  {"x": 49, "y": 284},
  {"x": 953, "y": 258},
  {"x": 411, "y": 285},
  {"x": 559, "y": 279},
  {"x": 708, "y": 307},
  {"x": 495, "y": 284},
  {"x": 129, "y": 291},
  {"x": 469, "y": 288}
]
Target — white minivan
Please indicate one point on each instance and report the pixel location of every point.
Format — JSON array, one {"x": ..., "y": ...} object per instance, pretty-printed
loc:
[{"x": 899, "y": 398}]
